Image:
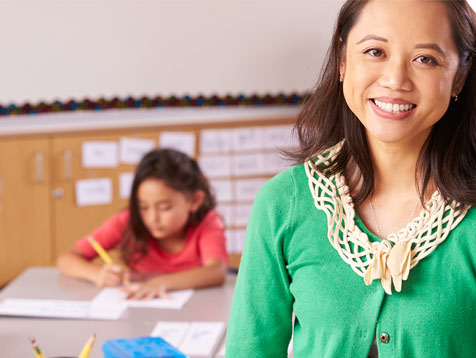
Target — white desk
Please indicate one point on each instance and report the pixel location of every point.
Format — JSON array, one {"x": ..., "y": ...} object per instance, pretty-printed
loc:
[{"x": 65, "y": 338}]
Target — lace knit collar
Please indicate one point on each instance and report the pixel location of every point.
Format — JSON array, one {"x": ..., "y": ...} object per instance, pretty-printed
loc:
[{"x": 391, "y": 259}]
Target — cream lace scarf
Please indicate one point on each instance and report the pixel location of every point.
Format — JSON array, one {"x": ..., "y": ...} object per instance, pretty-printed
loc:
[{"x": 391, "y": 259}]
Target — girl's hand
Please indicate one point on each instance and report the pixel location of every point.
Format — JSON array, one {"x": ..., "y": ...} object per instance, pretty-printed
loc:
[
  {"x": 153, "y": 288},
  {"x": 111, "y": 275}
]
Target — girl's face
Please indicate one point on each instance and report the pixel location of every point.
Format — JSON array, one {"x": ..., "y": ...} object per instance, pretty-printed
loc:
[
  {"x": 164, "y": 211},
  {"x": 399, "y": 68}
]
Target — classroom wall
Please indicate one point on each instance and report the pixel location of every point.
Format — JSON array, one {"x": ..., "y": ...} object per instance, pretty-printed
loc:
[{"x": 63, "y": 49}]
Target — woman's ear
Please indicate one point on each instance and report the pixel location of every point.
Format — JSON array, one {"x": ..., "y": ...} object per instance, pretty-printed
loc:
[
  {"x": 197, "y": 199},
  {"x": 460, "y": 78}
]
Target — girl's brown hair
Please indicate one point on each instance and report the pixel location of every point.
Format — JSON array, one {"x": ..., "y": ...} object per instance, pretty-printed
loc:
[{"x": 179, "y": 172}]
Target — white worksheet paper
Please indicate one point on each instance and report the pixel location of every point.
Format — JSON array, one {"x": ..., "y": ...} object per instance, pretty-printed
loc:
[
  {"x": 99, "y": 154},
  {"x": 247, "y": 164},
  {"x": 125, "y": 184},
  {"x": 214, "y": 141},
  {"x": 192, "y": 338},
  {"x": 246, "y": 189},
  {"x": 215, "y": 165},
  {"x": 223, "y": 190},
  {"x": 59, "y": 309},
  {"x": 246, "y": 139},
  {"x": 113, "y": 296},
  {"x": 279, "y": 137},
  {"x": 93, "y": 191},
  {"x": 133, "y": 149},
  {"x": 181, "y": 141}
]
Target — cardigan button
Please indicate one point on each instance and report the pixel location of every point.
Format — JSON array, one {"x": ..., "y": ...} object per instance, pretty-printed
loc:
[{"x": 384, "y": 338}]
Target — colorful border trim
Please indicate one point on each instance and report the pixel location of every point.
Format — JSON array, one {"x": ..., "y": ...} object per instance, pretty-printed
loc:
[{"x": 156, "y": 102}]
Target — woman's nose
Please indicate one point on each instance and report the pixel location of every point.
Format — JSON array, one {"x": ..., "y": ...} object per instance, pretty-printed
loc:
[{"x": 396, "y": 75}]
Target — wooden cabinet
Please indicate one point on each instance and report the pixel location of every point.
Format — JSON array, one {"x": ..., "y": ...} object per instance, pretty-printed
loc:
[
  {"x": 25, "y": 219},
  {"x": 39, "y": 215},
  {"x": 70, "y": 221}
]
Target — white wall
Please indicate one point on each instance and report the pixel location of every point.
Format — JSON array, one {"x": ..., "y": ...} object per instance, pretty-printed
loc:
[{"x": 62, "y": 49}]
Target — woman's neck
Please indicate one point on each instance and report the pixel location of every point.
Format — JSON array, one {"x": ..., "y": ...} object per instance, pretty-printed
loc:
[
  {"x": 395, "y": 198},
  {"x": 394, "y": 168}
]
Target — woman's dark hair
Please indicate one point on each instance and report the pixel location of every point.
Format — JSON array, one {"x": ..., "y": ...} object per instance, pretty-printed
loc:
[
  {"x": 179, "y": 172},
  {"x": 449, "y": 153}
]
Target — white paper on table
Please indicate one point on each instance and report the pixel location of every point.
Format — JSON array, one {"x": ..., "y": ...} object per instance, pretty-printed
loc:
[
  {"x": 172, "y": 332},
  {"x": 279, "y": 137},
  {"x": 202, "y": 338},
  {"x": 181, "y": 141},
  {"x": 133, "y": 149},
  {"x": 125, "y": 185},
  {"x": 100, "y": 154},
  {"x": 246, "y": 189},
  {"x": 93, "y": 191},
  {"x": 192, "y": 338},
  {"x": 247, "y": 164},
  {"x": 215, "y": 166},
  {"x": 244, "y": 139},
  {"x": 59, "y": 309},
  {"x": 241, "y": 214},
  {"x": 215, "y": 141},
  {"x": 223, "y": 190},
  {"x": 114, "y": 296}
]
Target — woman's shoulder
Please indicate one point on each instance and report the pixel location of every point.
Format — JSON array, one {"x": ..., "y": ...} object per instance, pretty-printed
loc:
[{"x": 283, "y": 187}]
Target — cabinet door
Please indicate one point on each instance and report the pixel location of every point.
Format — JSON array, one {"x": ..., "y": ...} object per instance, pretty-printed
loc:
[
  {"x": 24, "y": 206},
  {"x": 71, "y": 221}
]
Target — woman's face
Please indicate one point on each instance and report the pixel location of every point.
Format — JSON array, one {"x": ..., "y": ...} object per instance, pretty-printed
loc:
[
  {"x": 163, "y": 210},
  {"x": 399, "y": 68}
]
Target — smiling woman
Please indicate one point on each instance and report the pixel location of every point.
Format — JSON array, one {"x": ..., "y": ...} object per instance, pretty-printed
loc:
[
  {"x": 404, "y": 65},
  {"x": 370, "y": 239}
]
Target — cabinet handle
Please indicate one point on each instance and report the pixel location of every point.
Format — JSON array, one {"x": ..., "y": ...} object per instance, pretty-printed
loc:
[
  {"x": 39, "y": 167},
  {"x": 57, "y": 193},
  {"x": 68, "y": 164}
]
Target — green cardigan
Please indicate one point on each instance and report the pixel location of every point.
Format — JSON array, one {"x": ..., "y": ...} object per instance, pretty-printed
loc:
[{"x": 289, "y": 265}]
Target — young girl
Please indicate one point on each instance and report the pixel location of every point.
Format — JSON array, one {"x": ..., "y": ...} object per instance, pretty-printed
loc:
[{"x": 170, "y": 231}]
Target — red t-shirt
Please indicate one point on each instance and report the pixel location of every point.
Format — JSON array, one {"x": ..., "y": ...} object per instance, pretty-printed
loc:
[{"x": 203, "y": 242}]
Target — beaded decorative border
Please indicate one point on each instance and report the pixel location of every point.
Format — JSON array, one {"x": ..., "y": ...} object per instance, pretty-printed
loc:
[{"x": 155, "y": 102}]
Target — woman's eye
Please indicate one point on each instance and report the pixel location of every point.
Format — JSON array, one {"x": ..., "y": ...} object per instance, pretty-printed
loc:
[
  {"x": 142, "y": 208},
  {"x": 374, "y": 52},
  {"x": 426, "y": 60}
]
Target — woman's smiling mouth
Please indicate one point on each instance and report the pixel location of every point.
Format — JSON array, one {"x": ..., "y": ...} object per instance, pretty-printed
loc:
[{"x": 392, "y": 108}]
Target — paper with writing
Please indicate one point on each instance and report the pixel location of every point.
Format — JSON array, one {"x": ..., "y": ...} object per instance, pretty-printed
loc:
[
  {"x": 99, "y": 154},
  {"x": 114, "y": 296},
  {"x": 133, "y": 149},
  {"x": 181, "y": 141},
  {"x": 59, "y": 309},
  {"x": 93, "y": 191}
]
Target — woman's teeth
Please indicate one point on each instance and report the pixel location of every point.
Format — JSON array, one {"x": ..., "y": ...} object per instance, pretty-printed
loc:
[{"x": 393, "y": 107}]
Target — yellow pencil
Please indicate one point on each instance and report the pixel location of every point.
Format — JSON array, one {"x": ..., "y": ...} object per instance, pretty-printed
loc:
[
  {"x": 101, "y": 252},
  {"x": 87, "y": 347},
  {"x": 35, "y": 347}
]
